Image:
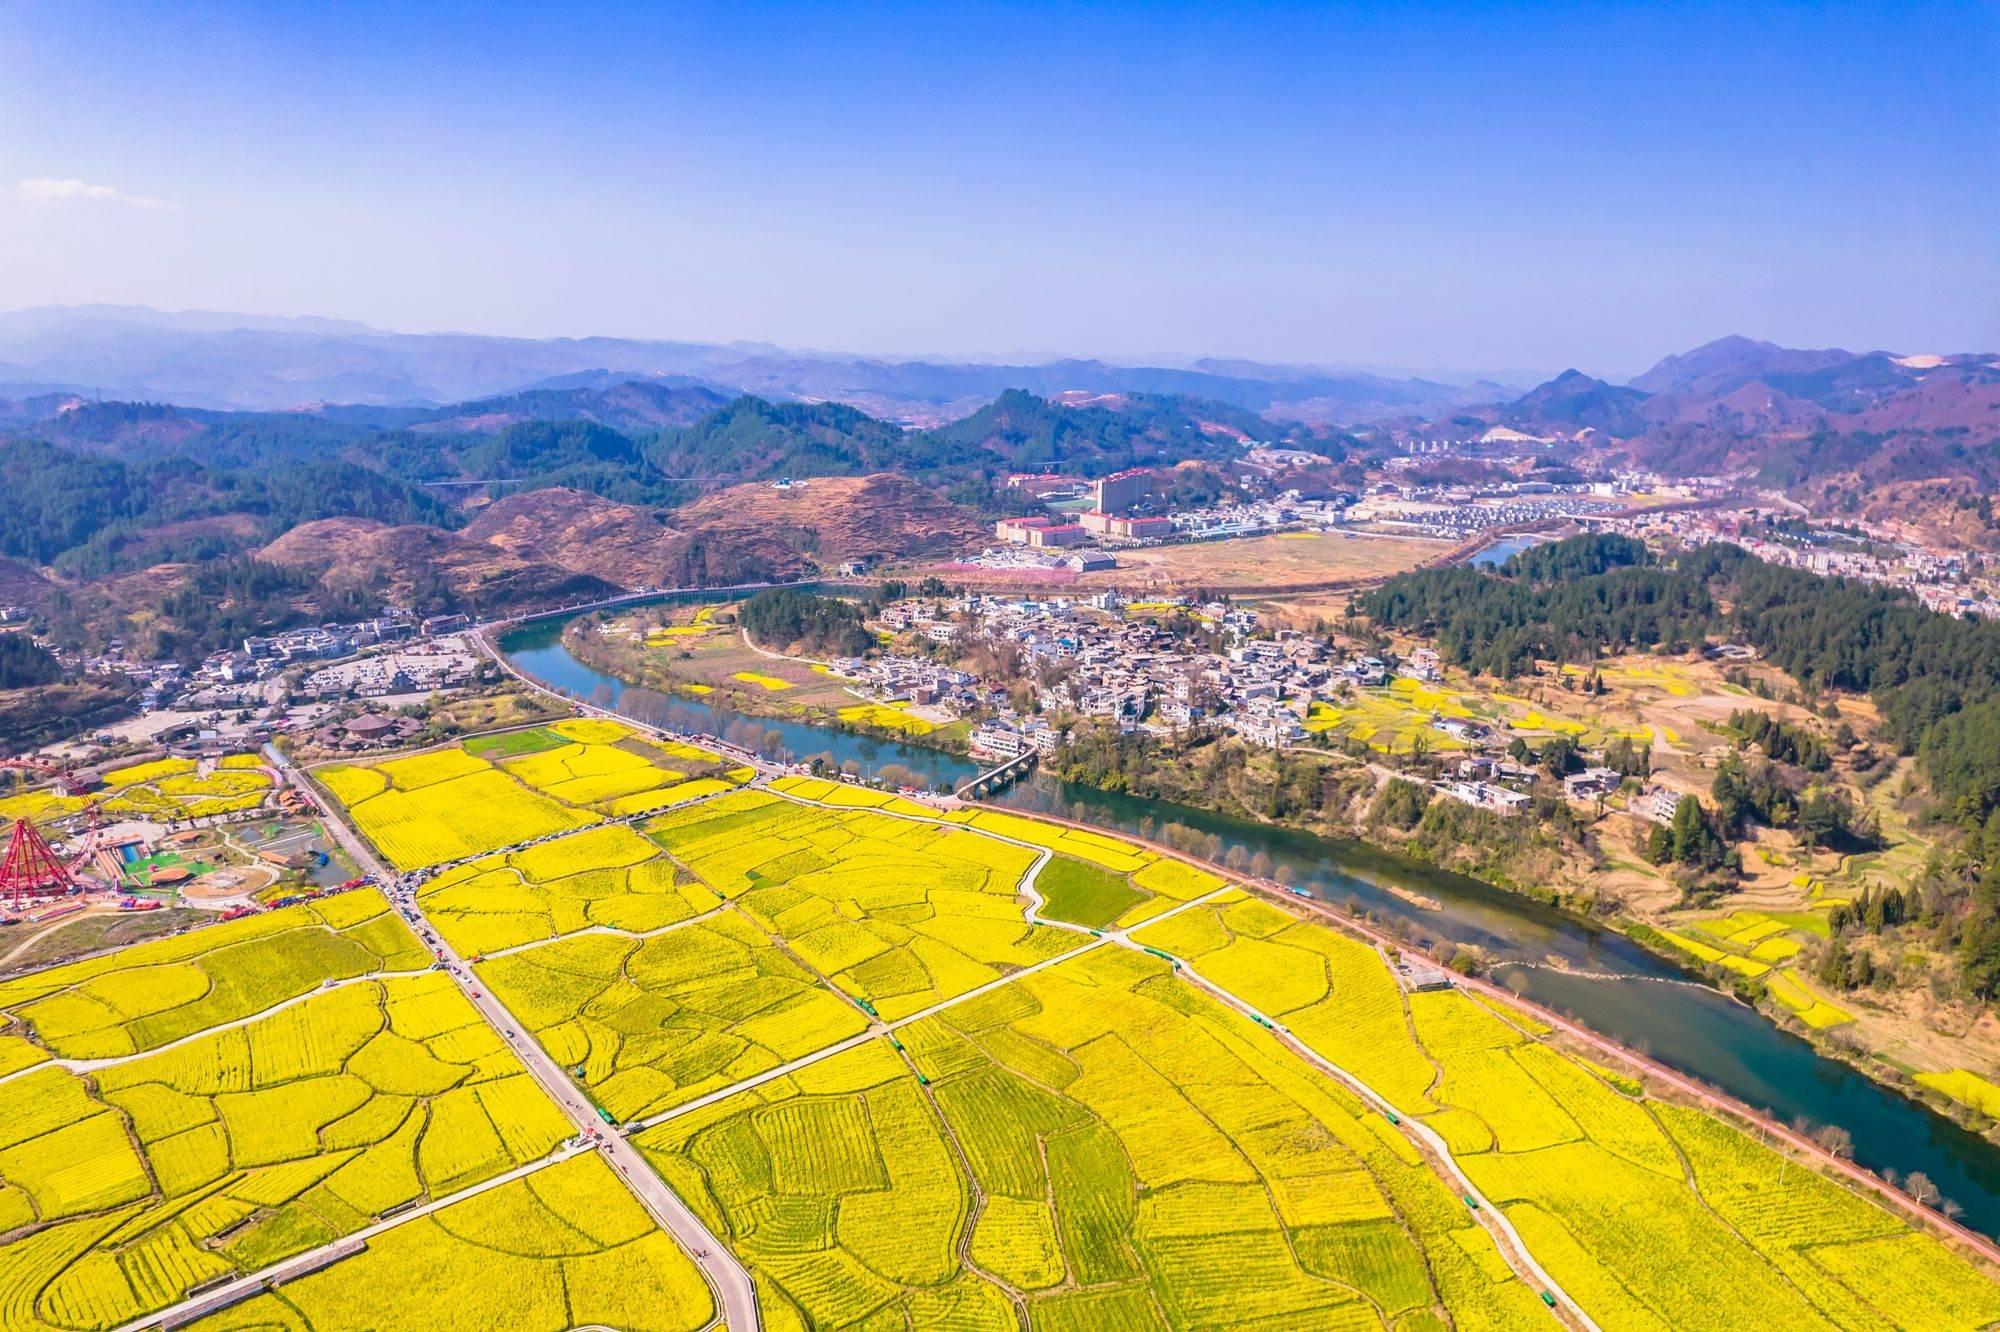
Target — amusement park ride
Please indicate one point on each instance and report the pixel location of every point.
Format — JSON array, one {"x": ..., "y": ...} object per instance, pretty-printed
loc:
[
  {"x": 66, "y": 781},
  {"x": 31, "y": 868}
]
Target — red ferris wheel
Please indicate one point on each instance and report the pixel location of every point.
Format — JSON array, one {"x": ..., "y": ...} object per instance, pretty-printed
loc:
[{"x": 31, "y": 867}]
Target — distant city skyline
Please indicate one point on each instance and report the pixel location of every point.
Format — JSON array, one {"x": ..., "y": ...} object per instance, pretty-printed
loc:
[{"x": 1435, "y": 189}]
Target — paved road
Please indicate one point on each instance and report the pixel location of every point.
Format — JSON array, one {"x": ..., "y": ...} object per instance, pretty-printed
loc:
[
  {"x": 111, "y": 1061},
  {"x": 277, "y": 1271},
  {"x": 735, "y": 1294},
  {"x": 1509, "y": 1240}
]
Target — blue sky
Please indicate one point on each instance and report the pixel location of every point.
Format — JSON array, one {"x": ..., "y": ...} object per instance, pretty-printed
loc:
[{"x": 1430, "y": 186}]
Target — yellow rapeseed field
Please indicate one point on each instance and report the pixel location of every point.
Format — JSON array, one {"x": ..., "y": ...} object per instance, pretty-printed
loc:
[
  {"x": 130, "y": 1182},
  {"x": 647, "y": 1024},
  {"x": 1139, "y": 1152},
  {"x": 607, "y": 876},
  {"x": 461, "y": 816},
  {"x": 1128, "y": 1136},
  {"x": 564, "y": 1247}
]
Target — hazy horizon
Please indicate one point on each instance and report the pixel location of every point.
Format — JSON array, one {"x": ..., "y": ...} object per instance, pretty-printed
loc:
[{"x": 1443, "y": 191}]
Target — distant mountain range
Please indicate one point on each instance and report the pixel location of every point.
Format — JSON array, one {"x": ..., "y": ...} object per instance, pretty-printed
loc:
[
  {"x": 479, "y": 473},
  {"x": 1737, "y": 403},
  {"x": 258, "y": 363}
]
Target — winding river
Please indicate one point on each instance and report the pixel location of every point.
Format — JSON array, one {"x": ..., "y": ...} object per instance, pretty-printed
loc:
[{"x": 1570, "y": 964}]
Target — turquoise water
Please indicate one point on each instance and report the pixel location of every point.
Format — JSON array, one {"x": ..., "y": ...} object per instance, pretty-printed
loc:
[{"x": 1563, "y": 961}]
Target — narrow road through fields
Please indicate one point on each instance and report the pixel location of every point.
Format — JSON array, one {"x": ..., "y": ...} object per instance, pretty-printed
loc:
[
  {"x": 46, "y": 931},
  {"x": 613, "y": 930},
  {"x": 300, "y": 1263},
  {"x": 109, "y": 1061},
  {"x": 1508, "y": 1240},
  {"x": 736, "y": 1295},
  {"x": 880, "y": 1029},
  {"x": 1728, "y": 1107},
  {"x": 1512, "y": 1247}
]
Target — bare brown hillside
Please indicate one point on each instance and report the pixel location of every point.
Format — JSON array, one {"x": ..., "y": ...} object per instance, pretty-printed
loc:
[
  {"x": 620, "y": 542},
  {"x": 348, "y": 552},
  {"x": 840, "y": 517},
  {"x": 631, "y": 546},
  {"x": 746, "y": 533}
]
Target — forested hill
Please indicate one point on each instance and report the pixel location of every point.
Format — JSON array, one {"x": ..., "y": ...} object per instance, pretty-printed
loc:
[
  {"x": 129, "y": 503},
  {"x": 1032, "y": 433},
  {"x": 1935, "y": 679},
  {"x": 631, "y": 440},
  {"x": 90, "y": 516},
  {"x": 754, "y": 440},
  {"x": 635, "y": 405}
]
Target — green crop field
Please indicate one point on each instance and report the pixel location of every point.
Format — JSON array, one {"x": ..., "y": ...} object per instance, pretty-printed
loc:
[
  {"x": 1156, "y": 883},
  {"x": 513, "y": 744},
  {"x": 1085, "y": 894}
]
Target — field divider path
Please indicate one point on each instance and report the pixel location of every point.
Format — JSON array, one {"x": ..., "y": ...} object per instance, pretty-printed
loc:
[
  {"x": 251, "y": 1282},
  {"x": 881, "y": 1029},
  {"x": 1031, "y": 913},
  {"x": 1490, "y": 1215},
  {"x": 1495, "y": 1223},
  {"x": 112, "y": 1061},
  {"x": 87, "y": 913},
  {"x": 1728, "y": 1107},
  {"x": 735, "y": 1295},
  {"x": 1428, "y": 1140},
  {"x": 1704, "y": 1096},
  {"x": 613, "y": 930}
]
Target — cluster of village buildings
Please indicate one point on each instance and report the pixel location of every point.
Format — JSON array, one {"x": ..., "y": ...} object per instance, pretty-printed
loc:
[
  {"x": 262, "y": 657},
  {"x": 1953, "y": 582},
  {"x": 1455, "y": 513},
  {"x": 1084, "y": 657},
  {"x": 1126, "y": 510}
]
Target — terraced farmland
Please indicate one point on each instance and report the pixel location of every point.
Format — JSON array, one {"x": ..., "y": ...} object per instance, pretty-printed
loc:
[
  {"x": 608, "y": 876},
  {"x": 501, "y": 790},
  {"x": 194, "y": 1108},
  {"x": 1074, "y": 1133},
  {"x": 1157, "y": 883},
  {"x": 140, "y": 998},
  {"x": 447, "y": 805},
  {"x": 651, "y": 1023},
  {"x": 612, "y": 768}
]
